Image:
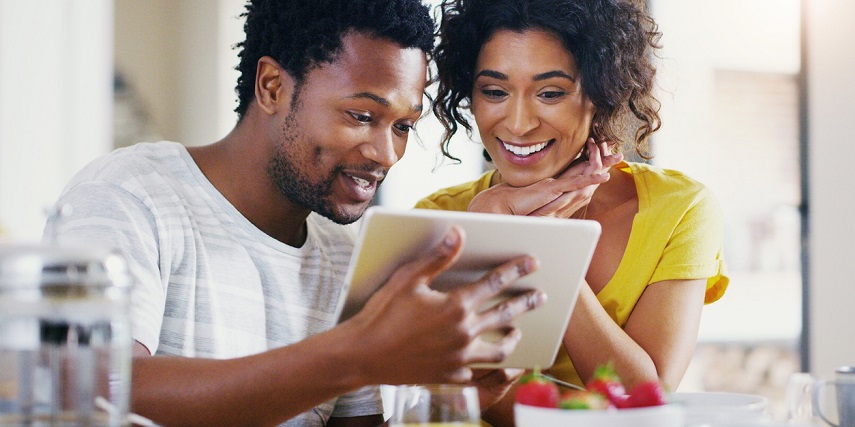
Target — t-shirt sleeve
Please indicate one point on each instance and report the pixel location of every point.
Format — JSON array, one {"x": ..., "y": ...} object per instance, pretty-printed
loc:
[
  {"x": 694, "y": 250},
  {"x": 456, "y": 198},
  {"x": 365, "y": 401},
  {"x": 106, "y": 215},
  {"x": 427, "y": 203}
]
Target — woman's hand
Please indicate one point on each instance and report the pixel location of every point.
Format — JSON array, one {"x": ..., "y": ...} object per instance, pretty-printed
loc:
[
  {"x": 558, "y": 197},
  {"x": 493, "y": 384}
]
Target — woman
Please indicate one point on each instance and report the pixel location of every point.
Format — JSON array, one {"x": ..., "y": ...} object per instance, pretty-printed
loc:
[{"x": 544, "y": 80}]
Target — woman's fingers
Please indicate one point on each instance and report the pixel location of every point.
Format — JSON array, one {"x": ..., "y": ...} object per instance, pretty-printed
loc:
[
  {"x": 560, "y": 196},
  {"x": 505, "y": 199},
  {"x": 595, "y": 157},
  {"x": 566, "y": 205}
]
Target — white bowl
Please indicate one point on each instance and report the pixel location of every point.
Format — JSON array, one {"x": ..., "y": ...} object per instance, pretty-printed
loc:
[
  {"x": 655, "y": 416},
  {"x": 718, "y": 407}
]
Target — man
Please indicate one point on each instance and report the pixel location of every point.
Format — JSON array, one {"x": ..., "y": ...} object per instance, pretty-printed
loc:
[{"x": 241, "y": 248}]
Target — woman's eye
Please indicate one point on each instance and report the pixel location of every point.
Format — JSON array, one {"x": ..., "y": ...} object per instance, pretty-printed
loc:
[
  {"x": 552, "y": 94},
  {"x": 493, "y": 93},
  {"x": 363, "y": 118}
]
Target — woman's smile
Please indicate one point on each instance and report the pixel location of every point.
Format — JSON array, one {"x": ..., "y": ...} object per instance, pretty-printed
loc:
[{"x": 523, "y": 150}]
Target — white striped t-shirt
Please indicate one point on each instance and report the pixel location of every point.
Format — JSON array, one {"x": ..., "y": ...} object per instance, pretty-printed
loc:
[{"x": 211, "y": 284}]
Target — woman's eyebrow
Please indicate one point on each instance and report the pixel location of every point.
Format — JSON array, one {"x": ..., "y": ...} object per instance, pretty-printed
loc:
[
  {"x": 538, "y": 77},
  {"x": 492, "y": 73},
  {"x": 555, "y": 73}
]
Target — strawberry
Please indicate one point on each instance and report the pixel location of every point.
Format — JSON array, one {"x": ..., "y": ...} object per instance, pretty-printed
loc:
[
  {"x": 578, "y": 399},
  {"x": 537, "y": 391},
  {"x": 648, "y": 393},
  {"x": 606, "y": 382}
]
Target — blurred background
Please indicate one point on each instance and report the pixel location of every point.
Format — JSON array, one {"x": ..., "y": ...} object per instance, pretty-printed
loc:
[{"x": 756, "y": 103}]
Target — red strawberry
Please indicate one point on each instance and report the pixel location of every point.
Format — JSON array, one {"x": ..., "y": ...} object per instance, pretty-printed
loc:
[
  {"x": 606, "y": 382},
  {"x": 648, "y": 393},
  {"x": 578, "y": 399},
  {"x": 537, "y": 391}
]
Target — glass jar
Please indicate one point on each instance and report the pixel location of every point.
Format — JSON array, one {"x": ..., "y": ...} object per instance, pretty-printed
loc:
[{"x": 65, "y": 342}]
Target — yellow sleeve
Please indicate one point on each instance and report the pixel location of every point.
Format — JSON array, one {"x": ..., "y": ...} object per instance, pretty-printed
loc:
[{"x": 695, "y": 248}]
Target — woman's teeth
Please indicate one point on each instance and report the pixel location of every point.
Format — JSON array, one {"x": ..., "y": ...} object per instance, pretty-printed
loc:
[{"x": 525, "y": 151}]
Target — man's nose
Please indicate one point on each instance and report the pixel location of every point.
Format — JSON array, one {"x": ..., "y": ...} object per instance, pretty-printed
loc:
[{"x": 384, "y": 148}]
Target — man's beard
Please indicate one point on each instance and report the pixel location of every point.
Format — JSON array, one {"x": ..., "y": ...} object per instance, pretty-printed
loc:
[{"x": 295, "y": 185}]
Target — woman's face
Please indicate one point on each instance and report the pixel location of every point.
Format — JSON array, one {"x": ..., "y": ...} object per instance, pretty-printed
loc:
[{"x": 529, "y": 106}]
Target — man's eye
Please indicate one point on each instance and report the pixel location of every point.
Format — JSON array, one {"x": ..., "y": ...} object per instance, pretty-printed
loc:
[
  {"x": 364, "y": 118},
  {"x": 403, "y": 127}
]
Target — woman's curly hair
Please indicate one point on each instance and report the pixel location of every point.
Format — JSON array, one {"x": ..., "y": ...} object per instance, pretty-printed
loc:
[
  {"x": 300, "y": 34},
  {"x": 612, "y": 42}
]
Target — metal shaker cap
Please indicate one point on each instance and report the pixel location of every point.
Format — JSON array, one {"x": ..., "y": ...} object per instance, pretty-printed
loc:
[{"x": 43, "y": 267}]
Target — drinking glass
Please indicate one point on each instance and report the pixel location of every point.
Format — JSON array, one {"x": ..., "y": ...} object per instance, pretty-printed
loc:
[{"x": 435, "y": 405}]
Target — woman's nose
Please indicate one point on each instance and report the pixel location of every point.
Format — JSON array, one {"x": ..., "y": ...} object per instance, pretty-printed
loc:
[{"x": 521, "y": 118}]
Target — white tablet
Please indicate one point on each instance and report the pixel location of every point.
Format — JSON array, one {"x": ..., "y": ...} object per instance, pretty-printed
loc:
[{"x": 564, "y": 247}]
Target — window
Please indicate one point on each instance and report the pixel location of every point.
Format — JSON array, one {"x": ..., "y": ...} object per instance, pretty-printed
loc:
[{"x": 729, "y": 87}]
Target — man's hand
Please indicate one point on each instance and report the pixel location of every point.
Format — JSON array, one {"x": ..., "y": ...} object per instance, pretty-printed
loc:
[
  {"x": 410, "y": 333},
  {"x": 560, "y": 196}
]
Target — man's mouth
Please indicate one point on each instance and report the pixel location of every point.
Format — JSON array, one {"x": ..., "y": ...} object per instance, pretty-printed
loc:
[
  {"x": 365, "y": 180},
  {"x": 364, "y": 183},
  {"x": 527, "y": 150}
]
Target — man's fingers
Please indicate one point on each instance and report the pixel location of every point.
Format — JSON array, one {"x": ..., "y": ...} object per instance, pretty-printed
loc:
[
  {"x": 429, "y": 266},
  {"x": 497, "y": 280},
  {"x": 461, "y": 376},
  {"x": 482, "y": 351},
  {"x": 496, "y": 376},
  {"x": 502, "y": 314}
]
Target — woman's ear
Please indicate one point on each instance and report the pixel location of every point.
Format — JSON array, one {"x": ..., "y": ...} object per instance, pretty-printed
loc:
[{"x": 274, "y": 87}]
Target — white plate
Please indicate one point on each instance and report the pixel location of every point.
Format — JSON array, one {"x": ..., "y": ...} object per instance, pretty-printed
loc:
[
  {"x": 656, "y": 416},
  {"x": 714, "y": 408}
]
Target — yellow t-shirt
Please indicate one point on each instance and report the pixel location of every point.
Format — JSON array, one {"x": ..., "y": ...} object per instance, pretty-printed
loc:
[{"x": 676, "y": 235}]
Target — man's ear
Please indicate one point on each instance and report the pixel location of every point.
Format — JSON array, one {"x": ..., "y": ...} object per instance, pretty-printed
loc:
[{"x": 273, "y": 86}]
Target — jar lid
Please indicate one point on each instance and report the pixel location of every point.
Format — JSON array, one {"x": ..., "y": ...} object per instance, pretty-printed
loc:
[
  {"x": 39, "y": 266},
  {"x": 846, "y": 370}
]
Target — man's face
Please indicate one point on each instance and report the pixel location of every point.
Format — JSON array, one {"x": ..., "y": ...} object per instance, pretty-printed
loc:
[{"x": 348, "y": 125}]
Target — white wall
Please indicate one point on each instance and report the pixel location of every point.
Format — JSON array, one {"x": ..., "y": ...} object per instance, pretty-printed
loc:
[
  {"x": 56, "y": 103},
  {"x": 178, "y": 57},
  {"x": 831, "y": 146},
  {"x": 144, "y": 32},
  {"x": 743, "y": 151}
]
